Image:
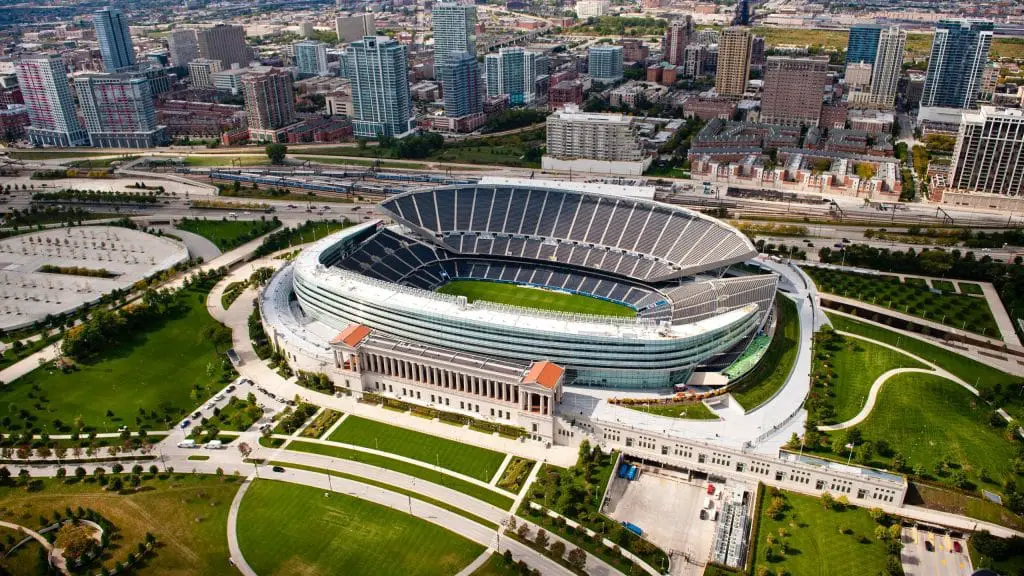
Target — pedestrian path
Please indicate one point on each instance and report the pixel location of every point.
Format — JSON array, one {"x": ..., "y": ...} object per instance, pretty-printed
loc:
[{"x": 501, "y": 470}]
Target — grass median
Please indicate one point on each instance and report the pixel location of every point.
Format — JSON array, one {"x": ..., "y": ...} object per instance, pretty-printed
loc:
[{"x": 468, "y": 488}]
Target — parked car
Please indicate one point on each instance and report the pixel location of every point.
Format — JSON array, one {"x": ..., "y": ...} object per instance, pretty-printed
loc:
[
  {"x": 929, "y": 546},
  {"x": 122, "y": 429},
  {"x": 185, "y": 424},
  {"x": 231, "y": 389},
  {"x": 957, "y": 547},
  {"x": 197, "y": 415},
  {"x": 211, "y": 405},
  {"x": 278, "y": 469},
  {"x": 218, "y": 397}
]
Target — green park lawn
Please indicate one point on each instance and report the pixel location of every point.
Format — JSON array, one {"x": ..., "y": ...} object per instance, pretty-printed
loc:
[
  {"x": 155, "y": 372},
  {"x": 815, "y": 545},
  {"x": 980, "y": 375},
  {"x": 955, "y": 310},
  {"x": 187, "y": 514},
  {"x": 414, "y": 470},
  {"x": 478, "y": 463},
  {"x": 496, "y": 566},
  {"x": 228, "y": 234},
  {"x": 287, "y": 529},
  {"x": 503, "y": 293},
  {"x": 354, "y": 162},
  {"x": 971, "y": 288},
  {"x": 765, "y": 379},
  {"x": 856, "y": 365},
  {"x": 944, "y": 285},
  {"x": 929, "y": 418},
  {"x": 691, "y": 411},
  {"x": 226, "y": 160}
]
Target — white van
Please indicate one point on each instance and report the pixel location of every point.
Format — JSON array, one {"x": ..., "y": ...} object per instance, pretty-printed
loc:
[
  {"x": 214, "y": 445},
  {"x": 188, "y": 443}
]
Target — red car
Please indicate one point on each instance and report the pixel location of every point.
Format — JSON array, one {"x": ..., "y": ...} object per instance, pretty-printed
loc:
[
  {"x": 957, "y": 547},
  {"x": 711, "y": 489}
]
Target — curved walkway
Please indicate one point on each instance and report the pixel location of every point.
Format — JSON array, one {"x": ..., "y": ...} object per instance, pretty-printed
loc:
[
  {"x": 55, "y": 560},
  {"x": 881, "y": 380}
]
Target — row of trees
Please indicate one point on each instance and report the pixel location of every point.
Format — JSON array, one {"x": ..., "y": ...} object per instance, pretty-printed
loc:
[
  {"x": 577, "y": 558},
  {"x": 107, "y": 328}
]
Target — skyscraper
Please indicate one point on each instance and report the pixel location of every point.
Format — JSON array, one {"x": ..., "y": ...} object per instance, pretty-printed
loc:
[
  {"x": 115, "y": 40},
  {"x": 184, "y": 46},
  {"x": 461, "y": 77},
  {"x": 381, "y": 104},
  {"x": 604, "y": 63},
  {"x": 353, "y": 28},
  {"x": 44, "y": 85},
  {"x": 118, "y": 111},
  {"x": 862, "y": 47},
  {"x": 512, "y": 71},
  {"x": 269, "y": 104},
  {"x": 733, "y": 61},
  {"x": 225, "y": 43},
  {"x": 959, "y": 53},
  {"x": 677, "y": 36},
  {"x": 201, "y": 71},
  {"x": 989, "y": 153},
  {"x": 793, "y": 90},
  {"x": 885, "y": 75},
  {"x": 311, "y": 58},
  {"x": 454, "y": 31}
]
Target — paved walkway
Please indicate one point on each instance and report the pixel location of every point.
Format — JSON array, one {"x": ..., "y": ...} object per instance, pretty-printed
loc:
[
  {"x": 480, "y": 561},
  {"x": 237, "y": 558},
  {"x": 881, "y": 380}
]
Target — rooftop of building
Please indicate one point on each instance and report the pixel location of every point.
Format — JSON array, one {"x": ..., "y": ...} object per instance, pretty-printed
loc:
[{"x": 573, "y": 113}]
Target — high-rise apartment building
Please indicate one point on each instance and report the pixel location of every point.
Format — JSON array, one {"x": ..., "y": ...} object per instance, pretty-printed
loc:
[
  {"x": 115, "y": 40},
  {"x": 269, "y": 104},
  {"x": 381, "y": 104},
  {"x": 957, "y": 62},
  {"x": 604, "y": 63},
  {"x": 733, "y": 61},
  {"x": 225, "y": 43},
  {"x": 591, "y": 9},
  {"x": 462, "y": 92},
  {"x": 677, "y": 37},
  {"x": 885, "y": 74},
  {"x": 201, "y": 71},
  {"x": 311, "y": 58},
  {"x": 989, "y": 153},
  {"x": 793, "y": 90},
  {"x": 118, "y": 111},
  {"x": 512, "y": 71},
  {"x": 862, "y": 46},
  {"x": 44, "y": 85},
  {"x": 454, "y": 31},
  {"x": 605, "y": 143},
  {"x": 356, "y": 27},
  {"x": 183, "y": 45}
]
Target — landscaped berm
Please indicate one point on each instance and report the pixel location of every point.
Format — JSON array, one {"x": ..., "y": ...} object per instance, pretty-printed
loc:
[
  {"x": 539, "y": 298},
  {"x": 292, "y": 529}
]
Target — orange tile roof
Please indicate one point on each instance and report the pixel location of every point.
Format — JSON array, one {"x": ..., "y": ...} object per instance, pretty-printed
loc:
[
  {"x": 351, "y": 336},
  {"x": 545, "y": 373}
]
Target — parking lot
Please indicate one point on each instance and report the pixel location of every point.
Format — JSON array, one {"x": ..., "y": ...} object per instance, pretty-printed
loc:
[
  {"x": 941, "y": 560},
  {"x": 667, "y": 508}
]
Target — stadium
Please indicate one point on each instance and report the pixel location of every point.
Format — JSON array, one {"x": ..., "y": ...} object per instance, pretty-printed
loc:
[{"x": 622, "y": 292}]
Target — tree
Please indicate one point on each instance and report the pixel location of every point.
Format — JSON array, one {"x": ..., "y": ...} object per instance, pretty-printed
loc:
[
  {"x": 524, "y": 531},
  {"x": 557, "y": 549},
  {"x": 827, "y": 500},
  {"x": 276, "y": 153},
  {"x": 578, "y": 558},
  {"x": 541, "y": 538},
  {"x": 244, "y": 449},
  {"x": 881, "y": 533},
  {"x": 507, "y": 556},
  {"x": 76, "y": 540}
]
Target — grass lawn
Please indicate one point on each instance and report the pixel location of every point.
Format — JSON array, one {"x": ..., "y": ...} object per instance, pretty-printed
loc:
[
  {"x": 693, "y": 411},
  {"x": 971, "y": 288},
  {"x": 919, "y": 494},
  {"x": 478, "y": 463},
  {"x": 814, "y": 541},
  {"x": 354, "y": 162},
  {"x": 854, "y": 365},
  {"x": 928, "y": 418},
  {"x": 954, "y": 310},
  {"x": 43, "y": 155},
  {"x": 154, "y": 372},
  {"x": 226, "y": 160},
  {"x": 187, "y": 514},
  {"x": 514, "y": 295},
  {"x": 944, "y": 285},
  {"x": 291, "y": 529},
  {"x": 976, "y": 373},
  {"x": 758, "y": 385},
  {"x": 228, "y": 234},
  {"x": 478, "y": 492},
  {"x": 495, "y": 566}
]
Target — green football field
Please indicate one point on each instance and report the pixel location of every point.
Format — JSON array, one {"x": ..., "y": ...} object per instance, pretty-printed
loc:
[{"x": 514, "y": 295}]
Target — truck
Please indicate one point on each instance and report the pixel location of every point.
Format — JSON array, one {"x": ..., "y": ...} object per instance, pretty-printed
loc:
[
  {"x": 214, "y": 445},
  {"x": 187, "y": 443},
  {"x": 633, "y": 528}
]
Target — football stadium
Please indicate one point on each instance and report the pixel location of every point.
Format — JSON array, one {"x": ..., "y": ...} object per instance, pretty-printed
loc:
[{"x": 622, "y": 292}]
